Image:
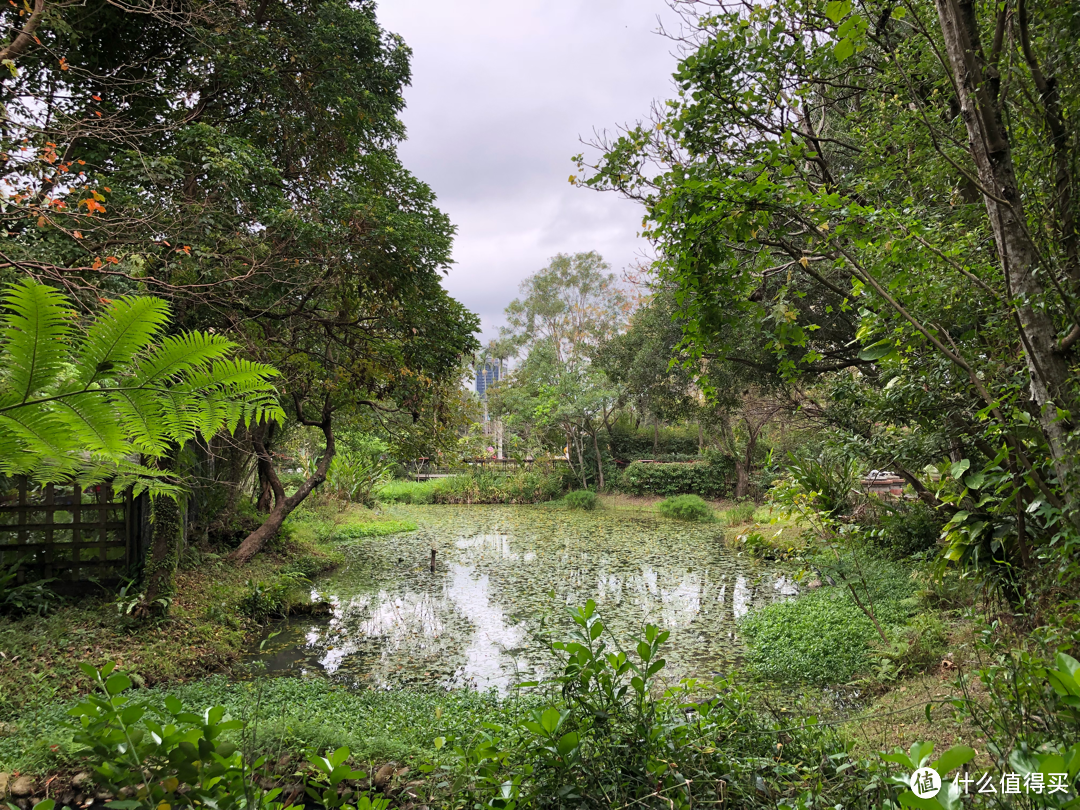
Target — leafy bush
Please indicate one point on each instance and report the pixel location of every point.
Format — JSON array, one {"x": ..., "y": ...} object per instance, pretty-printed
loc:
[
  {"x": 353, "y": 476},
  {"x": 699, "y": 478},
  {"x": 634, "y": 444},
  {"x": 908, "y": 528},
  {"x": 829, "y": 484},
  {"x": 615, "y": 740},
  {"x": 740, "y": 513},
  {"x": 28, "y": 597},
  {"x": 480, "y": 486},
  {"x": 159, "y": 755},
  {"x": 581, "y": 499},
  {"x": 685, "y": 507}
]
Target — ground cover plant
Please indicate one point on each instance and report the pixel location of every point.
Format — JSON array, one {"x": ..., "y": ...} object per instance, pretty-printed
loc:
[{"x": 823, "y": 636}]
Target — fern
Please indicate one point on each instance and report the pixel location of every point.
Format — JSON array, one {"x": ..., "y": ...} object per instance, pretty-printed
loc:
[{"x": 86, "y": 407}]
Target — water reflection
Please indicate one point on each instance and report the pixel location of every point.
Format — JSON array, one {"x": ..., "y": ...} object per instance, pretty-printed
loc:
[{"x": 472, "y": 621}]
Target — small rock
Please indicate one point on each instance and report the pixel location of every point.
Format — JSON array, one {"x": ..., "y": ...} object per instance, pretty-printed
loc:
[
  {"x": 22, "y": 804},
  {"x": 21, "y": 787},
  {"x": 103, "y": 796},
  {"x": 383, "y": 776},
  {"x": 67, "y": 799},
  {"x": 80, "y": 780},
  {"x": 4, "y": 778},
  {"x": 814, "y": 583}
]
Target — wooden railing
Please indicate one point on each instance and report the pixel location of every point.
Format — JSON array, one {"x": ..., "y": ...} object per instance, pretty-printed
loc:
[{"x": 65, "y": 532}]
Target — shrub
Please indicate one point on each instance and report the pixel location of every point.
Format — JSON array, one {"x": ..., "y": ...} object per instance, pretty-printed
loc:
[
  {"x": 908, "y": 528},
  {"x": 707, "y": 479},
  {"x": 188, "y": 759},
  {"x": 830, "y": 483},
  {"x": 633, "y": 444},
  {"x": 526, "y": 486},
  {"x": 581, "y": 499},
  {"x": 685, "y": 507}
]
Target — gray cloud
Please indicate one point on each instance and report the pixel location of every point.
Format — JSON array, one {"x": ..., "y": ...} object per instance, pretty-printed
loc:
[{"x": 502, "y": 93}]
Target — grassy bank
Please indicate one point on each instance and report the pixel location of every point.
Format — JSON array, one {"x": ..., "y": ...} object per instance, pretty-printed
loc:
[{"x": 216, "y": 610}]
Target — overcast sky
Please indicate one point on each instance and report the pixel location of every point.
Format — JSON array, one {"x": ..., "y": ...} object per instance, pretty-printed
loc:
[{"x": 502, "y": 93}]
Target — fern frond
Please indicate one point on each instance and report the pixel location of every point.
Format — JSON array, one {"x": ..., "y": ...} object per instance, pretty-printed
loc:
[
  {"x": 177, "y": 355},
  {"x": 92, "y": 417},
  {"x": 126, "y": 328},
  {"x": 34, "y": 330}
]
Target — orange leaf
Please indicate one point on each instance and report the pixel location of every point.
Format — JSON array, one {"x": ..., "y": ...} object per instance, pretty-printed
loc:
[
  {"x": 97, "y": 263},
  {"x": 77, "y": 234}
]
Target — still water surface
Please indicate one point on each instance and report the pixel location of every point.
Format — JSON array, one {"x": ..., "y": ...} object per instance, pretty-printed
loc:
[{"x": 507, "y": 574}]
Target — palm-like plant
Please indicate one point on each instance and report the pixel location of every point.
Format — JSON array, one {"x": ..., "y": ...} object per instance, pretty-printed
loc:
[{"x": 96, "y": 403}]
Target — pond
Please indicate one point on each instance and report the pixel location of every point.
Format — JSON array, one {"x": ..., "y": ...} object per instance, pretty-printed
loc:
[{"x": 504, "y": 576}]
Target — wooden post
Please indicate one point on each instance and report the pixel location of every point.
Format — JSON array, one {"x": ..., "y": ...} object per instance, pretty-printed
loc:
[
  {"x": 21, "y": 576},
  {"x": 47, "y": 557},
  {"x": 433, "y": 559},
  {"x": 76, "y": 531}
]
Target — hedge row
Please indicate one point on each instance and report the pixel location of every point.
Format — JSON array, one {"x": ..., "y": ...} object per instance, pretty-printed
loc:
[
  {"x": 639, "y": 444},
  {"x": 710, "y": 480}
]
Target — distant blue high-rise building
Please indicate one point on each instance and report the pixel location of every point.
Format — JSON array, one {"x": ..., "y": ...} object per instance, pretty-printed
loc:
[{"x": 487, "y": 374}]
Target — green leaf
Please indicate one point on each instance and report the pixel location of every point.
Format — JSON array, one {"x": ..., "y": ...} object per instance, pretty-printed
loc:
[
  {"x": 568, "y": 743},
  {"x": 550, "y": 719},
  {"x": 877, "y": 350},
  {"x": 117, "y": 684},
  {"x": 836, "y": 10},
  {"x": 844, "y": 49},
  {"x": 959, "y": 468},
  {"x": 952, "y": 759}
]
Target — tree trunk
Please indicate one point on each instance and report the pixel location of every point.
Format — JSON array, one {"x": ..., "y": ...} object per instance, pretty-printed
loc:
[
  {"x": 283, "y": 506},
  {"x": 1018, "y": 255},
  {"x": 599, "y": 462},
  {"x": 700, "y": 438},
  {"x": 264, "y": 466},
  {"x": 745, "y": 465},
  {"x": 655, "y": 435},
  {"x": 581, "y": 460},
  {"x": 742, "y": 479},
  {"x": 166, "y": 539}
]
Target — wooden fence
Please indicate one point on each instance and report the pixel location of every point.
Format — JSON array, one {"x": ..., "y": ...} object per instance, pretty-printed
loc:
[{"x": 66, "y": 532}]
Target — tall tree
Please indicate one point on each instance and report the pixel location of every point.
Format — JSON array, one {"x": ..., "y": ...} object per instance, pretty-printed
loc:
[
  {"x": 241, "y": 161},
  {"x": 888, "y": 189},
  {"x": 567, "y": 312}
]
